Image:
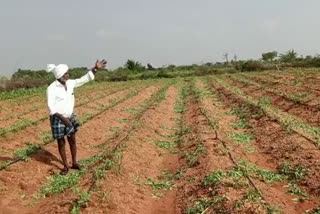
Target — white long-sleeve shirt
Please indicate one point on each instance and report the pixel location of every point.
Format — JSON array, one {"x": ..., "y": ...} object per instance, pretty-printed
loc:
[{"x": 61, "y": 100}]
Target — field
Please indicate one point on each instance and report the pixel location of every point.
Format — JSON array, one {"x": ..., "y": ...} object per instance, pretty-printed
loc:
[{"x": 232, "y": 143}]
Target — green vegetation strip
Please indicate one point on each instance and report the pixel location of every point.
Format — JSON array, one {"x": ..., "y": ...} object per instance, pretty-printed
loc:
[
  {"x": 291, "y": 122},
  {"x": 21, "y": 92},
  {"x": 20, "y": 125},
  {"x": 32, "y": 92}
]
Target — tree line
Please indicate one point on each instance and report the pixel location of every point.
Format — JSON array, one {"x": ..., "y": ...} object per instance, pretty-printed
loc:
[{"x": 132, "y": 69}]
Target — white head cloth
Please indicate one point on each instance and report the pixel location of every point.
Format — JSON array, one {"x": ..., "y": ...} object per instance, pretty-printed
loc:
[{"x": 58, "y": 70}]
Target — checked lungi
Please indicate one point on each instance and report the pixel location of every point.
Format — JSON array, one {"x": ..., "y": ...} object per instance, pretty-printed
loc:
[{"x": 59, "y": 130}]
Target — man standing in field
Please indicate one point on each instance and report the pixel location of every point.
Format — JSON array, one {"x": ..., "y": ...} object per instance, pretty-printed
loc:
[{"x": 60, "y": 98}]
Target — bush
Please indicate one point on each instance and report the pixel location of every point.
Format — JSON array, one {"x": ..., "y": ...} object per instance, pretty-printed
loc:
[
  {"x": 11, "y": 85},
  {"x": 163, "y": 74},
  {"x": 121, "y": 77},
  {"x": 307, "y": 63},
  {"x": 250, "y": 65},
  {"x": 101, "y": 76},
  {"x": 118, "y": 75},
  {"x": 205, "y": 70},
  {"x": 151, "y": 74}
]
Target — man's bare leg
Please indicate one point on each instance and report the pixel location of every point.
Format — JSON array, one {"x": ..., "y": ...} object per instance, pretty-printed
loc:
[
  {"x": 73, "y": 149},
  {"x": 62, "y": 152}
]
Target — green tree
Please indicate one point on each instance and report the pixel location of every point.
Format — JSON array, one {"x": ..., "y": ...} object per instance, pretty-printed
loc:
[
  {"x": 289, "y": 56},
  {"x": 130, "y": 64},
  {"x": 134, "y": 65},
  {"x": 150, "y": 67},
  {"x": 171, "y": 67},
  {"x": 269, "y": 56}
]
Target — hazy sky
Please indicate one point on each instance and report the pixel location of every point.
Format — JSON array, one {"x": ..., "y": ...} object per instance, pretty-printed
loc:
[{"x": 76, "y": 32}]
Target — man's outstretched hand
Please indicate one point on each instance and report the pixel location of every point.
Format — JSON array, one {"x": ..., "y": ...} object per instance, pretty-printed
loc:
[{"x": 100, "y": 64}]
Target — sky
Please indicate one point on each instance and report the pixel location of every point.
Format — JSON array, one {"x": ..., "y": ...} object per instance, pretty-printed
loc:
[{"x": 35, "y": 33}]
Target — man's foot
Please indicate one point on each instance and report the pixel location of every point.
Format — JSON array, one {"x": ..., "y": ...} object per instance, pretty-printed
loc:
[
  {"x": 75, "y": 166},
  {"x": 64, "y": 171}
]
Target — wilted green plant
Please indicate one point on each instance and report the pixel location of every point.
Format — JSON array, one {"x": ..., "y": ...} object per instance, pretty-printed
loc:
[
  {"x": 241, "y": 138},
  {"x": 293, "y": 173},
  {"x": 203, "y": 204},
  {"x": 214, "y": 178},
  {"x": 164, "y": 185}
]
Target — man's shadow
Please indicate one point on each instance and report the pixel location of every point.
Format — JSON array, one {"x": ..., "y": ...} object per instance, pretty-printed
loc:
[{"x": 47, "y": 157}]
